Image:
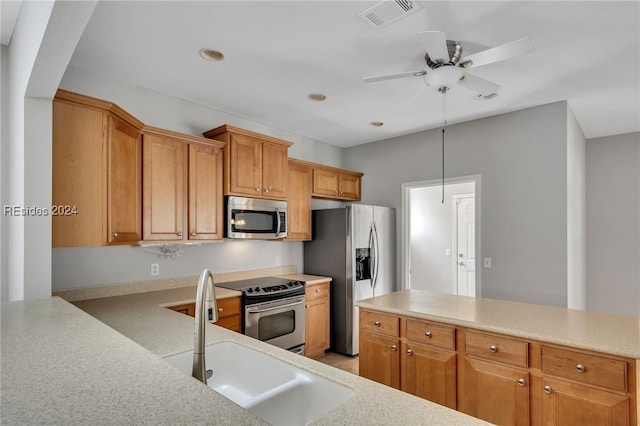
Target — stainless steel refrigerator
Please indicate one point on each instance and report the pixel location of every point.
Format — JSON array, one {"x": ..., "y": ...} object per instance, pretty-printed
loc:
[{"x": 355, "y": 246}]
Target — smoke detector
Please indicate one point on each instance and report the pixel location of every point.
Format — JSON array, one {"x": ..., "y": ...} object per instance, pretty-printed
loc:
[{"x": 388, "y": 12}]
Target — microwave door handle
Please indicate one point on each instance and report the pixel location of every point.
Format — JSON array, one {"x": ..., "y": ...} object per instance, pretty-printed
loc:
[{"x": 277, "y": 222}]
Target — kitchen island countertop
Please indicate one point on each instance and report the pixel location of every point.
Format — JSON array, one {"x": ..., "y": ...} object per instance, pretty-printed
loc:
[
  {"x": 102, "y": 364},
  {"x": 610, "y": 334}
]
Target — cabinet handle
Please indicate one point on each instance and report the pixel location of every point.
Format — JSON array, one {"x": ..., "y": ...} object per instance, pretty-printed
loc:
[
  {"x": 377, "y": 323},
  {"x": 409, "y": 352},
  {"x": 580, "y": 368},
  {"x": 428, "y": 334},
  {"x": 179, "y": 234},
  {"x": 193, "y": 234},
  {"x": 114, "y": 235},
  {"x": 547, "y": 389},
  {"x": 522, "y": 382},
  {"x": 493, "y": 348},
  {"x": 394, "y": 348}
]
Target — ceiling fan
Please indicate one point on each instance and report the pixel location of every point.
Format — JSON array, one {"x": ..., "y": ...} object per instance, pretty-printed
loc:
[{"x": 446, "y": 66}]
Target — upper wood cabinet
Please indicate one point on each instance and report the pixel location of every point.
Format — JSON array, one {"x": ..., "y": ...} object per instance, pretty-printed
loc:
[
  {"x": 97, "y": 173},
  {"x": 299, "y": 201},
  {"x": 330, "y": 182},
  {"x": 255, "y": 165},
  {"x": 182, "y": 196}
]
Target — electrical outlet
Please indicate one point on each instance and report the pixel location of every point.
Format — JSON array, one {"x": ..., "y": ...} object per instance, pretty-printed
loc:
[
  {"x": 278, "y": 260},
  {"x": 155, "y": 269}
]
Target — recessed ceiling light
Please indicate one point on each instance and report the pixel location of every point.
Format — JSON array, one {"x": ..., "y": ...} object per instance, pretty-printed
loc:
[
  {"x": 317, "y": 97},
  {"x": 376, "y": 123},
  {"x": 211, "y": 54}
]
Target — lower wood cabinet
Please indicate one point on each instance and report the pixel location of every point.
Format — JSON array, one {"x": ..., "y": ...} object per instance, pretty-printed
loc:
[
  {"x": 317, "y": 319},
  {"x": 228, "y": 312},
  {"x": 501, "y": 379}
]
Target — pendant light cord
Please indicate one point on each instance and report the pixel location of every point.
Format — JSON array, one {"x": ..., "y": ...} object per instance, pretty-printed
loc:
[{"x": 444, "y": 125}]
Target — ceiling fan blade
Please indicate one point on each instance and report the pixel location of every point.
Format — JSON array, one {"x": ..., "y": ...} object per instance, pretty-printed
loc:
[
  {"x": 478, "y": 84},
  {"x": 393, "y": 76},
  {"x": 498, "y": 53},
  {"x": 436, "y": 45}
]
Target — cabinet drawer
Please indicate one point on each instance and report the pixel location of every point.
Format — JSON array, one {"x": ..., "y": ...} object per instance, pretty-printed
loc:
[
  {"x": 432, "y": 334},
  {"x": 316, "y": 291},
  {"x": 232, "y": 323},
  {"x": 497, "y": 348},
  {"x": 380, "y": 323},
  {"x": 585, "y": 368},
  {"x": 229, "y": 306}
]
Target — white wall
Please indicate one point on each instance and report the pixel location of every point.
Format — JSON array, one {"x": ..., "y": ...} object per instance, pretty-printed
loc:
[
  {"x": 613, "y": 224},
  {"x": 4, "y": 171},
  {"x": 576, "y": 215},
  {"x": 522, "y": 159},
  {"x": 432, "y": 234}
]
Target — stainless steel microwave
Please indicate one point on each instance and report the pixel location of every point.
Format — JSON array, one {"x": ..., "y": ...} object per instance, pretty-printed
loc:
[{"x": 255, "y": 218}]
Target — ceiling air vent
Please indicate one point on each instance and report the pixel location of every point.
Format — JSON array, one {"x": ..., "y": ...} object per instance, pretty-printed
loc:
[{"x": 387, "y": 12}]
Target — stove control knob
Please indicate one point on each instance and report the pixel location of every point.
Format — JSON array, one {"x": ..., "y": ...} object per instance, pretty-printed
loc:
[
  {"x": 257, "y": 289},
  {"x": 250, "y": 290}
]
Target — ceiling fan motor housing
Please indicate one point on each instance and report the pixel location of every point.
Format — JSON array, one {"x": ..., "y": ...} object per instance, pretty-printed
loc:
[{"x": 455, "y": 53}]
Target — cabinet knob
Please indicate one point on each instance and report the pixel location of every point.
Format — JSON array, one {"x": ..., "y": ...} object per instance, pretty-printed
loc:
[
  {"x": 377, "y": 323},
  {"x": 306, "y": 306},
  {"x": 580, "y": 368},
  {"x": 522, "y": 382},
  {"x": 114, "y": 235},
  {"x": 341, "y": 192},
  {"x": 179, "y": 234},
  {"x": 547, "y": 389},
  {"x": 317, "y": 290},
  {"x": 493, "y": 348},
  {"x": 428, "y": 334},
  {"x": 220, "y": 309},
  {"x": 409, "y": 352},
  {"x": 266, "y": 190},
  {"x": 193, "y": 234},
  {"x": 394, "y": 348},
  {"x": 257, "y": 189}
]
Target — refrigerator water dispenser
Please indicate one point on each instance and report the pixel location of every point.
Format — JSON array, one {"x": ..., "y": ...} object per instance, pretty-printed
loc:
[{"x": 363, "y": 264}]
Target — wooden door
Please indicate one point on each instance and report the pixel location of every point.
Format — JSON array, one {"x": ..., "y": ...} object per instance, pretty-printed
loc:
[
  {"x": 429, "y": 373},
  {"x": 164, "y": 188},
  {"x": 205, "y": 193},
  {"x": 496, "y": 393},
  {"x": 124, "y": 182},
  {"x": 565, "y": 403},
  {"x": 78, "y": 175},
  {"x": 299, "y": 202},
  {"x": 379, "y": 359},
  {"x": 349, "y": 186},
  {"x": 245, "y": 169},
  {"x": 325, "y": 182},
  {"x": 275, "y": 171}
]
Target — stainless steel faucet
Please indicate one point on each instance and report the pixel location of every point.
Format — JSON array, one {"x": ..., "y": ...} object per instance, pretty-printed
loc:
[{"x": 206, "y": 310}]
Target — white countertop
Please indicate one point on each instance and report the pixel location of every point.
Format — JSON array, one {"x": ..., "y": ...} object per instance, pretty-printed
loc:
[
  {"x": 611, "y": 334},
  {"x": 60, "y": 365}
]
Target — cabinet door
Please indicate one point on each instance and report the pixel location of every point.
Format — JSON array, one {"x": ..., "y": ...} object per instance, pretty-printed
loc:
[
  {"x": 325, "y": 182},
  {"x": 245, "y": 169},
  {"x": 349, "y": 186},
  {"x": 429, "y": 373},
  {"x": 299, "y": 202},
  {"x": 565, "y": 403},
  {"x": 275, "y": 171},
  {"x": 78, "y": 178},
  {"x": 124, "y": 182},
  {"x": 164, "y": 188},
  {"x": 317, "y": 320},
  {"x": 496, "y": 393},
  {"x": 379, "y": 359},
  {"x": 205, "y": 193}
]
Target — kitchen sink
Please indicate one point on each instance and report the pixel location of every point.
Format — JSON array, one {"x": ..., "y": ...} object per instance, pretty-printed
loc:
[{"x": 273, "y": 390}]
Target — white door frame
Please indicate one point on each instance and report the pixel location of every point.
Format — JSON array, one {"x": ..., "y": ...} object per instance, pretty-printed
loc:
[{"x": 405, "y": 220}]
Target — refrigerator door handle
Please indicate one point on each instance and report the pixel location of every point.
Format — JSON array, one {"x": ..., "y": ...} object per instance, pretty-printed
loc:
[
  {"x": 371, "y": 253},
  {"x": 375, "y": 256}
]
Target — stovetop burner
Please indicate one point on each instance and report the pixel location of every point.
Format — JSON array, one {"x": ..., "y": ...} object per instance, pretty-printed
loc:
[{"x": 263, "y": 286}]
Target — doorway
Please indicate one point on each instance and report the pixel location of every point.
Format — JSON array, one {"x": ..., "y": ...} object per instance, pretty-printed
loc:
[{"x": 441, "y": 240}]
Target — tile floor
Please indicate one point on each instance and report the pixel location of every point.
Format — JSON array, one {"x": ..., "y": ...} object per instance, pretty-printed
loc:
[{"x": 342, "y": 362}]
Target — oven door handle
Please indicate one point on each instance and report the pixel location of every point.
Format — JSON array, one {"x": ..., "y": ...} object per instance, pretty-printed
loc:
[{"x": 257, "y": 311}]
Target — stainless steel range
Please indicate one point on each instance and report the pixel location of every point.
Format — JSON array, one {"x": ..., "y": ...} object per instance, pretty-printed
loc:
[{"x": 274, "y": 310}]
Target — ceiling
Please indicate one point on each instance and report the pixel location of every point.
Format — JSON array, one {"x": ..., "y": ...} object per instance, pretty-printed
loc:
[{"x": 277, "y": 53}]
